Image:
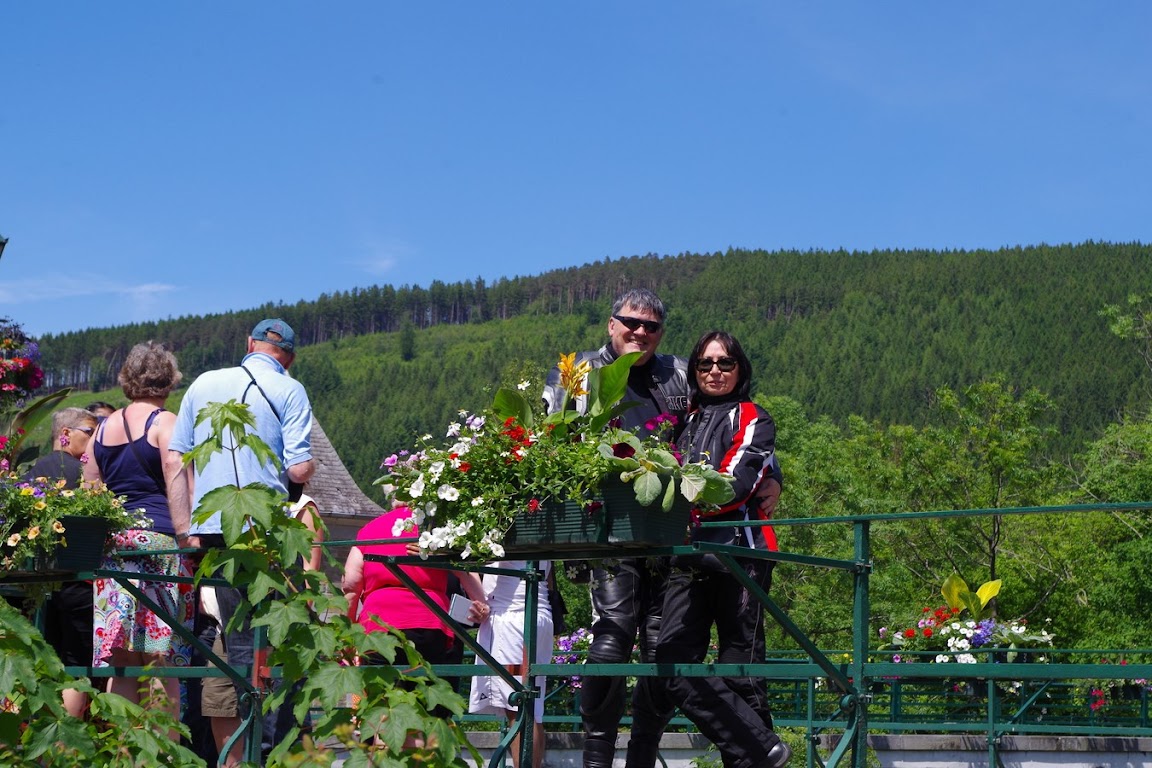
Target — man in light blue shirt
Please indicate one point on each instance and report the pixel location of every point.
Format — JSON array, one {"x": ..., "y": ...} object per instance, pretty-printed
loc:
[{"x": 283, "y": 420}]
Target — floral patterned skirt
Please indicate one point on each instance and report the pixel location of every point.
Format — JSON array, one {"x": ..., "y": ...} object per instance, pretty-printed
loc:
[{"x": 121, "y": 621}]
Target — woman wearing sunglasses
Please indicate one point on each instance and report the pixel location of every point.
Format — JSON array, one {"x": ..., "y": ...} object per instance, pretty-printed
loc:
[{"x": 726, "y": 429}]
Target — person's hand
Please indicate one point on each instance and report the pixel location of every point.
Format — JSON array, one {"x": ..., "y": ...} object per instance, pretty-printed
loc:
[
  {"x": 479, "y": 612},
  {"x": 412, "y": 549},
  {"x": 767, "y": 496}
]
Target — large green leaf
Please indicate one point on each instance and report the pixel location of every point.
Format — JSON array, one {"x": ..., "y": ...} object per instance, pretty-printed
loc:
[
  {"x": 952, "y": 589},
  {"x": 509, "y": 403},
  {"x": 648, "y": 487}
]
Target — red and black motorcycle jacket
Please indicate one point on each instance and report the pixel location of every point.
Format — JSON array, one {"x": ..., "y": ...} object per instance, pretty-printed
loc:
[{"x": 739, "y": 438}]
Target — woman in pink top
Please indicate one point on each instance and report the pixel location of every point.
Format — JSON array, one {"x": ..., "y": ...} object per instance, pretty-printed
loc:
[{"x": 379, "y": 600}]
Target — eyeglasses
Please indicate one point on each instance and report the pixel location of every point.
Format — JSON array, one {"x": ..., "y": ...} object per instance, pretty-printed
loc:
[
  {"x": 86, "y": 430},
  {"x": 725, "y": 364},
  {"x": 633, "y": 323}
]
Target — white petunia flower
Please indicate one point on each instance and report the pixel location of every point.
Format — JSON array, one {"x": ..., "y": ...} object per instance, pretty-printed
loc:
[
  {"x": 453, "y": 429},
  {"x": 417, "y": 489},
  {"x": 448, "y": 493},
  {"x": 478, "y": 501}
]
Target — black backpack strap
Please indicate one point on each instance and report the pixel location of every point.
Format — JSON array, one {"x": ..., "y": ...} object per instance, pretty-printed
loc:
[{"x": 256, "y": 384}]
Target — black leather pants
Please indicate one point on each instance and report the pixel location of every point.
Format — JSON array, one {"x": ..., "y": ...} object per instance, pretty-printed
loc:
[{"x": 627, "y": 599}]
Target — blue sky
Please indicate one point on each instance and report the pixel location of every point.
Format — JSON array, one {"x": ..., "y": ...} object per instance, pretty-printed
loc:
[{"x": 175, "y": 158}]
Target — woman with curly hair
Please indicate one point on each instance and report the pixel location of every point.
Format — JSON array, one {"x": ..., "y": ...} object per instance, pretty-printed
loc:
[{"x": 126, "y": 454}]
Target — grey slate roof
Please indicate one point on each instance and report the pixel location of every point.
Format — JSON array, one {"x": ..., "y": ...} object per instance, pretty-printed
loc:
[{"x": 343, "y": 506}]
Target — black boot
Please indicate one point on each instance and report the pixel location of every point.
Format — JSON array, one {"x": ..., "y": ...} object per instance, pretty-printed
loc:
[
  {"x": 642, "y": 753},
  {"x": 599, "y": 753}
]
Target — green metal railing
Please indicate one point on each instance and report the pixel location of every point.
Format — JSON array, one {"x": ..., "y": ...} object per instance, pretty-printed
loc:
[{"x": 814, "y": 691}]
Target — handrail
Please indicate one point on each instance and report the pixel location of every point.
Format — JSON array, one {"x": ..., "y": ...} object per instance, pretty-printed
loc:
[{"x": 867, "y": 692}]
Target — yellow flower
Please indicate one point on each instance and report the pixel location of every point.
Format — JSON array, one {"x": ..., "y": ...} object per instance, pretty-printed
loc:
[
  {"x": 68, "y": 494},
  {"x": 33, "y": 532},
  {"x": 572, "y": 375},
  {"x": 26, "y": 491},
  {"x": 14, "y": 539},
  {"x": 40, "y": 505},
  {"x": 61, "y": 482},
  {"x": 56, "y": 526}
]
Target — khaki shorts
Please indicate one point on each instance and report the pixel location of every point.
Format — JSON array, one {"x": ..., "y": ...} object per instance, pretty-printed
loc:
[{"x": 218, "y": 694}]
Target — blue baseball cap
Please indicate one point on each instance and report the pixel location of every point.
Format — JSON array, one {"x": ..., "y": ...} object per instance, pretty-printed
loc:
[{"x": 287, "y": 340}]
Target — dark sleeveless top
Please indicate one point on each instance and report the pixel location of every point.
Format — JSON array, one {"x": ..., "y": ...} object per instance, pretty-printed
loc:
[{"x": 137, "y": 473}]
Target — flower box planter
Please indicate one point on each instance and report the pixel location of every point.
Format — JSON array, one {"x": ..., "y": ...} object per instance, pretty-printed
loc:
[
  {"x": 86, "y": 538},
  {"x": 619, "y": 521},
  {"x": 631, "y": 524}
]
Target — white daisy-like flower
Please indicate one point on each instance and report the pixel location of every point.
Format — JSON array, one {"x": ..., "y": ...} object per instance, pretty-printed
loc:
[
  {"x": 523, "y": 385},
  {"x": 448, "y": 493},
  {"x": 478, "y": 501}
]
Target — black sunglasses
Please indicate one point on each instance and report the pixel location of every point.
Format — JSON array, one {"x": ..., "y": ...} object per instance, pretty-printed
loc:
[
  {"x": 725, "y": 364},
  {"x": 632, "y": 323}
]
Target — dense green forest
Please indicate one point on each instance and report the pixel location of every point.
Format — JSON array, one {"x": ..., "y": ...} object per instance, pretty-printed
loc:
[
  {"x": 900, "y": 381},
  {"x": 844, "y": 333}
]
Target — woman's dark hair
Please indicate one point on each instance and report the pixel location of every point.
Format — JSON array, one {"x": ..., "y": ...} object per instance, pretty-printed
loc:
[{"x": 743, "y": 389}]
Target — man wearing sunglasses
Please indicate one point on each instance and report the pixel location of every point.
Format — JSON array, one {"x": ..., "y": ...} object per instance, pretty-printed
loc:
[{"x": 628, "y": 595}]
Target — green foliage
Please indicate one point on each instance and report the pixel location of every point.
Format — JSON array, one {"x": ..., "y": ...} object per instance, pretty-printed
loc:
[
  {"x": 36, "y": 730},
  {"x": 266, "y": 549}
]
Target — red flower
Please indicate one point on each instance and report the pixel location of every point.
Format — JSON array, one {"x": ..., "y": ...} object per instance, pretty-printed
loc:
[
  {"x": 623, "y": 451},
  {"x": 909, "y": 633},
  {"x": 533, "y": 505},
  {"x": 465, "y": 466},
  {"x": 927, "y": 631}
]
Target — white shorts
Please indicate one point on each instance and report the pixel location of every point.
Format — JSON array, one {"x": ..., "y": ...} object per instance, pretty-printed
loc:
[{"x": 503, "y": 636}]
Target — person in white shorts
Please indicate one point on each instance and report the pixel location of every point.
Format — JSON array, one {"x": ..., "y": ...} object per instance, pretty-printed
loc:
[{"x": 502, "y": 635}]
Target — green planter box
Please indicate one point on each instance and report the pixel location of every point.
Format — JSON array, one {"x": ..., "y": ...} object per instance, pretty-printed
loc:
[
  {"x": 614, "y": 520},
  {"x": 86, "y": 537}
]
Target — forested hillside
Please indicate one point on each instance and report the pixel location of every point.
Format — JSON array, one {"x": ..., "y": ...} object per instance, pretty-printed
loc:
[
  {"x": 900, "y": 381},
  {"x": 842, "y": 333}
]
